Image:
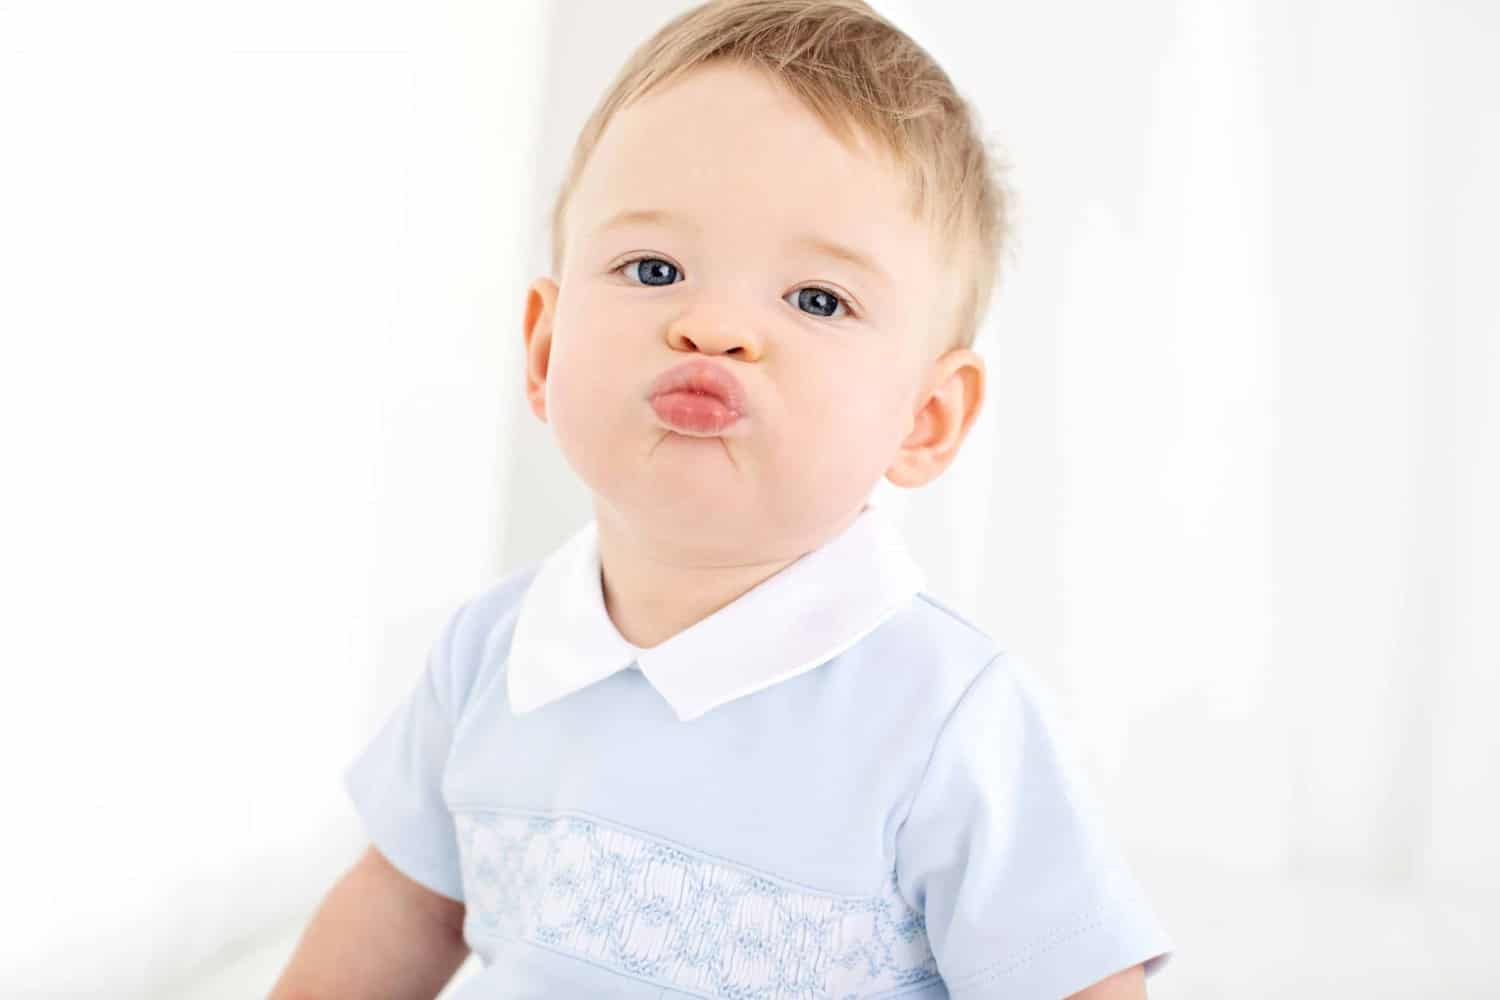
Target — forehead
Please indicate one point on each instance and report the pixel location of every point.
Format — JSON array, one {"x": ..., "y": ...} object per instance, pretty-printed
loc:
[{"x": 733, "y": 150}]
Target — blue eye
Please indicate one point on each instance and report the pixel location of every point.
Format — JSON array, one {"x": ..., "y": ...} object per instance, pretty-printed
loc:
[
  {"x": 823, "y": 302},
  {"x": 654, "y": 272}
]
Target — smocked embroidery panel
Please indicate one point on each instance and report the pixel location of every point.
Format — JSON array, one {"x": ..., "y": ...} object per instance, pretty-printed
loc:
[{"x": 651, "y": 909}]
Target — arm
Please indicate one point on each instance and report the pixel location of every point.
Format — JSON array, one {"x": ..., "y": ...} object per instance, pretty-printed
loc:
[
  {"x": 377, "y": 933},
  {"x": 1129, "y": 984}
]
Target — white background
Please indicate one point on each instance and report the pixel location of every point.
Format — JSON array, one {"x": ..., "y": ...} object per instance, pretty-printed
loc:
[{"x": 261, "y": 277}]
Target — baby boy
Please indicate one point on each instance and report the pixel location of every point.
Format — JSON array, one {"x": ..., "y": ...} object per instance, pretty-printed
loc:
[{"x": 721, "y": 743}]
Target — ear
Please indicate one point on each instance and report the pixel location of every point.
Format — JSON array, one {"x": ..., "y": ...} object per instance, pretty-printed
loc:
[
  {"x": 945, "y": 410},
  {"x": 541, "y": 308}
]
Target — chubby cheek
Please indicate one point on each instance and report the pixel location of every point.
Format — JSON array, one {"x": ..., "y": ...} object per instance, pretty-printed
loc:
[
  {"x": 843, "y": 430},
  {"x": 589, "y": 395},
  {"x": 851, "y": 402}
]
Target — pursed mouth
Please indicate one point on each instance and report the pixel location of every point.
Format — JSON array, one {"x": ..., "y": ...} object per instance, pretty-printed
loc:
[
  {"x": 694, "y": 413},
  {"x": 703, "y": 380}
]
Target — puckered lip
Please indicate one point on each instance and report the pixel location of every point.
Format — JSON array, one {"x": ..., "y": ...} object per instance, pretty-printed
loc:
[{"x": 701, "y": 376}]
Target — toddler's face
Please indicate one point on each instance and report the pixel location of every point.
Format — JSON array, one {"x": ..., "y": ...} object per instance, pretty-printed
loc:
[{"x": 700, "y": 231}]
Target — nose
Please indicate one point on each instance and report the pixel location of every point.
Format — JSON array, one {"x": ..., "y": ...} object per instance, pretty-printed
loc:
[{"x": 713, "y": 331}]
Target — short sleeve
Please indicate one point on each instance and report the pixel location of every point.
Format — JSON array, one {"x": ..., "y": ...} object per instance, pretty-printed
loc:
[
  {"x": 396, "y": 780},
  {"x": 1006, "y": 853}
]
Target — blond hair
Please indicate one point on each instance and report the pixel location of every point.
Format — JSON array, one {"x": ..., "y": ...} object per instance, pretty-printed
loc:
[{"x": 854, "y": 70}]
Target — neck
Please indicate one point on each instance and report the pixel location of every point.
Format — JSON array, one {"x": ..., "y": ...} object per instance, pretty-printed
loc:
[{"x": 655, "y": 588}]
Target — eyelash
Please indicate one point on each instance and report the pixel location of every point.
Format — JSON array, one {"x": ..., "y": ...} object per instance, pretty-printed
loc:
[{"x": 849, "y": 311}]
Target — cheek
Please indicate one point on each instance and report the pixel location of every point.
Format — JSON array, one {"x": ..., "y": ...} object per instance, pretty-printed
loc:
[
  {"x": 840, "y": 451},
  {"x": 586, "y": 344},
  {"x": 586, "y": 382},
  {"x": 852, "y": 412}
]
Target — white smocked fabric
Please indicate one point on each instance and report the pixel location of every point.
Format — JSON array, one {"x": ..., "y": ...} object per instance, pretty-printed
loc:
[{"x": 619, "y": 899}]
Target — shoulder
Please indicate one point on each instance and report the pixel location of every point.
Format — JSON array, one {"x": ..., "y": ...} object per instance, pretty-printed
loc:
[
  {"x": 975, "y": 672},
  {"x": 477, "y": 629},
  {"x": 979, "y": 714},
  {"x": 930, "y": 654},
  {"x": 940, "y": 615},
  {"x": 477, "y": 618},
  {"x": 903, "y": 683}
]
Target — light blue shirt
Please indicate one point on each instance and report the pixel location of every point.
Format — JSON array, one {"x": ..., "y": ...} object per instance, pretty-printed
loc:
[{"x": 832, "y": 787}]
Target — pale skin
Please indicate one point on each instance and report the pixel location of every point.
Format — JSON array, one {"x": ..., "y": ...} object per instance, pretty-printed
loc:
[
  {"x": 728, "y": 217},
  {"x": 688, "y": 524}
]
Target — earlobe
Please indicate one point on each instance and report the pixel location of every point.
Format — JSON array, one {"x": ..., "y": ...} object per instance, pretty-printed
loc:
[
  {"x": 954, "y": 395},
  {"x": 541, "y": 306},
  {"x": 912, "y": 467}
]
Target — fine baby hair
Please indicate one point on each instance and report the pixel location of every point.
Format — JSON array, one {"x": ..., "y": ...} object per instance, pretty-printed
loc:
[{"x": 859, "y": 74}]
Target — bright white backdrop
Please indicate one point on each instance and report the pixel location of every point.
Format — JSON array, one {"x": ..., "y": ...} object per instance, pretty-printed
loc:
[{"x": 262, "y": 277}]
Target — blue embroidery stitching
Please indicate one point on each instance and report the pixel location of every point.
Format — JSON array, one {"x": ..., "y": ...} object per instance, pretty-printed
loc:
[{"x": 627, "y": 902}]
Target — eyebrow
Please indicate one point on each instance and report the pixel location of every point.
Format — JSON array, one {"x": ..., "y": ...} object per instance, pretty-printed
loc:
[
  {"x": 645, "y": 215},
  {"x": 838, "y": 251}
]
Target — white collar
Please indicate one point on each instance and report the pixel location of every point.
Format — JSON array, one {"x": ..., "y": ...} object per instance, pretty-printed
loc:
[{"x": 806, "y": 614}]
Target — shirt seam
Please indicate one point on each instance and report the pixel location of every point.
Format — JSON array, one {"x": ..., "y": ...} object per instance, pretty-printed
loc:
[
  {"x": 925, "y": 986},
  {"x": 453, "y": 700},
  {"x": 488, "y": 655},
  {"x": 609, "y": 969},
  {"x": 939, "y": 605},
  {"x": 989, "y": 973},
  {"x": 927, "y": 767}
]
